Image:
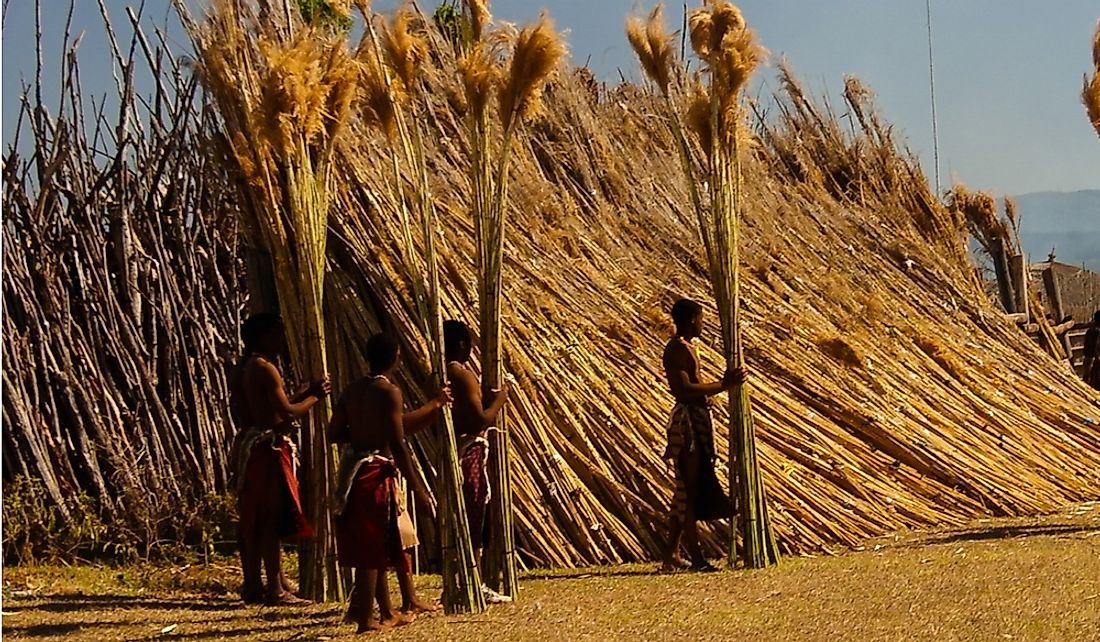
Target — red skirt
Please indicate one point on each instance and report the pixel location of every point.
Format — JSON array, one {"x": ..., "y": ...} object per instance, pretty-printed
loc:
[
  {"x": 366, "y": 532},
  {"x": 269, "y": 493},
  {"x": 475, "y": 491}
]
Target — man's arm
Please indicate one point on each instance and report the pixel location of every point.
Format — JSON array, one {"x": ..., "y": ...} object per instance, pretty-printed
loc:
[
  {"x": 272, "y": 383},
  {"x": 679, "y": 364},
  {"x": 394, "y": 429},
  {"x": 419, "y": 419},
  {"x": 468, "y": 401}
]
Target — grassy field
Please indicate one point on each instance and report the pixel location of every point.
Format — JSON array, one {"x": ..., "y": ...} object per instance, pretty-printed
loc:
[{"x": 1035, "y": 579}]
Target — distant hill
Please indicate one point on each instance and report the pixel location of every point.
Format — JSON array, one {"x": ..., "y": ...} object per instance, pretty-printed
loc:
[{"x": 1068, "y": 222}]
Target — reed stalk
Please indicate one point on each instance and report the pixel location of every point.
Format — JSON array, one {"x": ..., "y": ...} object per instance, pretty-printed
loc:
[
  {"x": 403, "y": 50},
  {"x": 721, "y": 39},
  {"x": 283, "y": 101}
]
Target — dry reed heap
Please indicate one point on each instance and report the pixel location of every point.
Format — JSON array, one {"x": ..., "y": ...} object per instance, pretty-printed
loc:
[{"x": 888, "y": 391}]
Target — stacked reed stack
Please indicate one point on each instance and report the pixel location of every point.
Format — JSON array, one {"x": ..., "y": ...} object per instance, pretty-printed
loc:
[
  {"x": 727, "y": 47},
  {"x": 393, "y": 103},
  {"x": 536, "y": 52},
  {"x": 284, "y": 90},
  {"x": 1090, "y": 94}
]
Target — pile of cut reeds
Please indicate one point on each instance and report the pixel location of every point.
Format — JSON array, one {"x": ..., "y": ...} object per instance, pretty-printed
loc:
[{"x": 888, "y": 392}]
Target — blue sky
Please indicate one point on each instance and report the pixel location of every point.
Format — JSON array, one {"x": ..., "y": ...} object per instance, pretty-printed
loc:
[{"x": 1008, "y": 74}]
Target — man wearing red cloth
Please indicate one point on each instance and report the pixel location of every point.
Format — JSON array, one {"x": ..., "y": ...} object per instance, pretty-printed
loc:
[
  {"x": 264, "y": 457},
  {"x": 369, "y": 419}
]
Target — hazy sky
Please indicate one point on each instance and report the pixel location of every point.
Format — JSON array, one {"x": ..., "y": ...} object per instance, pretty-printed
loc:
[{"x": 1008, "y": 73}]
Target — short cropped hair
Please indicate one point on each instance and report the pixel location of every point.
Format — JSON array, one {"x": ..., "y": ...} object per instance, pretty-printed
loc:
[
  {"x": 258, "y": 326},
  {"x": 1096, "y": 318},
  {"x": 382, "y": 351},
  {"x": 454, "y": 333},
  {"x": 684, "y": 311}
]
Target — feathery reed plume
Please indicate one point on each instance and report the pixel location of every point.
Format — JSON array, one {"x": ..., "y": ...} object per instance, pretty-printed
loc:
[
  {"x": 479, "y": 18},
  {"x": 697, "y": 115},
  {"x": 653, "y": 45},
  {"x": 537, "y": 52},
  {"x": 480, "y": 76},
  {"x": 979, "y": 210},
  {"x": 376, "y": 101},
  {"x": 1090, "y": 94},
  {"x": 405, "y": 50}
]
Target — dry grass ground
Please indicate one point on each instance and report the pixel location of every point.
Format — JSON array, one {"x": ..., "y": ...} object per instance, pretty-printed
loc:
[{"x": 1036, "y": 579}]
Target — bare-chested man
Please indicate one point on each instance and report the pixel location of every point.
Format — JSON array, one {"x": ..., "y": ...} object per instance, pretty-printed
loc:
[
  {"x": 473, "y": 416},
  {"x": 369, "y": 419},
  {"x": 691, "y": 440},
  {"x": 263, "y": 457}
]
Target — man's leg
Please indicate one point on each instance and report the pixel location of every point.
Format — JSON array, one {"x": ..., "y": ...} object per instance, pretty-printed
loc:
[
  {"x": 253, "y": 590},
  {"x": 672, "y": 559},
  {"x": 410, "y": 601},
  {"x": 367, "y": 587}
]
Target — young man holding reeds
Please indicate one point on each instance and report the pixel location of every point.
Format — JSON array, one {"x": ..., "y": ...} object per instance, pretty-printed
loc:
[
  {"x": 370, "y": 536},
  {"x": 698, "y": 494},
  {"x": 264, "y": 459},
  {"x": 473, "y": 417}
]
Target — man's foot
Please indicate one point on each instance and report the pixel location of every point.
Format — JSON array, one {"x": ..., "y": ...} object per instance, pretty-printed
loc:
[
  {"x": 419, "y": 605},
  {"x": 703, "y": 566},
  {"x": 285, "y": 599},
  {"x": 352, "y": 615},
  {"x": 369, "y": 626},
  {"x": 492, "y": 597},
  {"x": 397, "y": 619},
  {"x": 252, "y": 596},
  {"x": 675, "y": 564}
]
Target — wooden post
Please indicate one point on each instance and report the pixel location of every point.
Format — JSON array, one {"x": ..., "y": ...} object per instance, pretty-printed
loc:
[
  {"x": 1017, "y": 266},
  {"x": 1004, "y": 282},
  {"x": 1057, "y": 310}
]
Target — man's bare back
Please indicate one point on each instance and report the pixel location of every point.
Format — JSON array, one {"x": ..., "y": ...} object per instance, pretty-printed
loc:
[{"x": 369, "y": 405}]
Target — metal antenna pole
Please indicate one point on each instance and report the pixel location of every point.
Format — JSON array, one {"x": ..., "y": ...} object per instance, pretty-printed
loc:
[{"x": 932, "y": 87}]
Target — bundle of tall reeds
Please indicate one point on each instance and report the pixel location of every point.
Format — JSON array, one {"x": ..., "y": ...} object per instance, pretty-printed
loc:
[
  {"x": 283, "y": 90},
  {"x": 727, "y": 47},
  {"x": 394, "y": 104},
  {"x": 536, "y": 52},
  {"x": 1090, "y": 94}
]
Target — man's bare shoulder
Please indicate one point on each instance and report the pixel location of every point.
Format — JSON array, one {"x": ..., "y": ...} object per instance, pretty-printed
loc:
[
  {"x": 461, "y": 376},
  {"x": 676, "y": 348}
]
